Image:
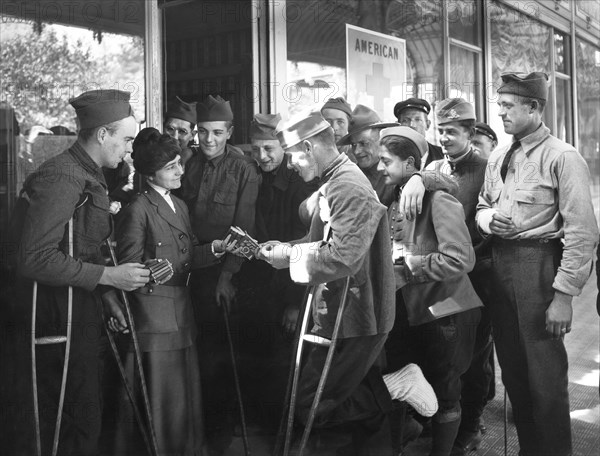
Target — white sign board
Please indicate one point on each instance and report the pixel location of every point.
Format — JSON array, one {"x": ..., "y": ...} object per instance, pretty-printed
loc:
[{"x": 375, "y": 70}]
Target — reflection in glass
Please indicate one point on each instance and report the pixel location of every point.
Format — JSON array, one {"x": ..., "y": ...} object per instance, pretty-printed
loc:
[
  {"x": 563, "y": 110},
  {"x": 464, "y": 70},
  {"x": 588, "y": 99},
  {"x": 519, "y": 44},
  {"x": 462, "y": 20}
]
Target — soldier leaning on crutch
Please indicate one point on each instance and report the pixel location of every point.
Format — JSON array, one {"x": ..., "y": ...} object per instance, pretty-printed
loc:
[
  {"x": 358, "y": 247},
  {"x": 71, "y": 185}
]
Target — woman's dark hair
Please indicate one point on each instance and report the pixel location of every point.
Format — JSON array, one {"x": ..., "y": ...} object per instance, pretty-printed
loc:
[
  {"x": 402, "y": 147},
  {"x": 152, "y": 150}
]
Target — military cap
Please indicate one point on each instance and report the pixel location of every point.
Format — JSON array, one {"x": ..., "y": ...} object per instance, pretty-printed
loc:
[
  {"x": 412, "y": 103},
  {"x": 298, "y": 129},
  {"x": 484, "y": 129},
  {"x": 214, "y": 109},
  {"x": 363, "y": 118},
  {"x": 406, "y": 132},
  {"x": 532, "y": 85},
  {"x": 101, "y": 107},
  {"x": 454, "y": 110},
  {"x": 179, "y": 109},
  {"x": 340, "y": 104},
  {"x": 263, "y": 126}
]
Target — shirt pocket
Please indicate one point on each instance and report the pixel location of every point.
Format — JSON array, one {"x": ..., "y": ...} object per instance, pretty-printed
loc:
[
  {"x": 224, "y": 205},
  {"x": 531, "y": 206}
]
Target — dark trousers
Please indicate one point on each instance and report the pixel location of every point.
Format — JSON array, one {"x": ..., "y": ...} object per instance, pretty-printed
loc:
[
  {"x": 218, "y": 387},
  {"x": 354, "y": 392},
  {"x": 534, "y": 365},
  {"x": 441, "y": 348},
  {"x": 480, "y": 375}
]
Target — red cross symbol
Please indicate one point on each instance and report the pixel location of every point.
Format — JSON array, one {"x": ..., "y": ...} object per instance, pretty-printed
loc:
[{"x": 378, "y": 86}]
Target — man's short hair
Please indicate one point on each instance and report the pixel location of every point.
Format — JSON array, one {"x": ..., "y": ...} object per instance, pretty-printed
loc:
[
  {"x": 530, "y": 100},
  {"x": 86, "y": 134}
]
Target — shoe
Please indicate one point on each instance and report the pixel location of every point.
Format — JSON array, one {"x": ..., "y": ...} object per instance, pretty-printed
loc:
[
  {"x": 466, "y": 442},
  {"x": 482, "y": 426}
]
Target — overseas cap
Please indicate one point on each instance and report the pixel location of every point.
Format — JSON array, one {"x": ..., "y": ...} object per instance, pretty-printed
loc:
[
  {"x": 408, "y": 133},
  {"x": 532, "y": 85},
  {"x": 297, "y": 130},
  {"x": 179, "y": 109},
  {"x": 340, "y": 104},
  {"x": 214, "y": 109},
  {"x": 412, "y": 103},
  {"x": 484, "y": 129},
  {"x": 263, "y": 126},
  {"x": 100, "y": 107},
  {"x": 363, "y": 118},
  {"x": 454, "y": 110}
]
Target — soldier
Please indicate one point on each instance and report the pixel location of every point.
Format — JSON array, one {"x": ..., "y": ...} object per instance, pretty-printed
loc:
[
  {"x": 536, "y": 204},
  {"x": 456, "y": 126},
  {"x": 414, "y": 113},
  {"x": 220, "y": 187},
  {"x": 437, "y": 306},
  {"x": 485, "y": 140},
  {"x": 338, "y": 113},
  {"x": 180, "y": 123},
  {"x": 355, "y": 393},
  {"x": 71, "y": 186}
]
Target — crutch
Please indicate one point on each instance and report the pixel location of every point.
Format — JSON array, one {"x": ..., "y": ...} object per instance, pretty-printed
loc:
[
  {"x": 149, "y": 434},
  {"x": 303, "y": 337},
  {"x": 51, "y": 340},
  {"x": 236, "y": 380}
]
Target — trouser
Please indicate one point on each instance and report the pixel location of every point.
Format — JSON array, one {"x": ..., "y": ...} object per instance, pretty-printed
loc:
[
  {"x": 218, "y": 387},
  {"x": 442, "y": 348},
  {"x": 480, "y": 375},
  {"x": 354, "y": 392},
  {"x": 534, "y": 365}
]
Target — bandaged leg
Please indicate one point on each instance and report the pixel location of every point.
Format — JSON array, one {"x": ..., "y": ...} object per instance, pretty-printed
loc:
[{"x": 408, "y": 384}]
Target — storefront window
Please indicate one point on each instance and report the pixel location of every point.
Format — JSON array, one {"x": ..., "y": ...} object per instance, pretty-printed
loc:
[
  {"x": 588, "y": 99},
  {"x": 51, "y": 52},
  {"x": 464, "y": 75}
]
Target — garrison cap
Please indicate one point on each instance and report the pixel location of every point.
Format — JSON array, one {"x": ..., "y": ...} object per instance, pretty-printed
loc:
[
  {"x": 363, "y": 118},
  {"x": 482, "y": 128},
  {"x": 412, "y": 103},
  {"x": 340, "y": 104},
  {"x": 454, "y": 110},
  {"x": 214, "y": 109},
  {"x": 532, "y": 85},
  {"x": 263, "y": 126},
  {"x": 297, "y": 130},
  {"x": 101, "y": 107},
  {"x": 179, "y": 109},
  {"x": 406, "y": 132}
]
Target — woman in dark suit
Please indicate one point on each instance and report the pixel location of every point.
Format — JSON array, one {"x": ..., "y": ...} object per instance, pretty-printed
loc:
[{"x": 157, "y": 225}]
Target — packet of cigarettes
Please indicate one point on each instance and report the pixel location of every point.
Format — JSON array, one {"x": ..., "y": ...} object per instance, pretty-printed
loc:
[{"x": 246, "y": 244}]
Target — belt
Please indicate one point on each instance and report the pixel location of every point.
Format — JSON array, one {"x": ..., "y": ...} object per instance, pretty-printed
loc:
[
  {"x": 528, "y": 242},
  {"x": 178, "y": 280}
]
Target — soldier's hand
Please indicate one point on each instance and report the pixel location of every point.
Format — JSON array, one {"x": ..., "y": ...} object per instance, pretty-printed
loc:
[
  {"x": 128, "y": 277},
  {"x": 411, "y": 199},
  {"x": 559, "y": 315},
  {"x": 225, "y": 291},
  {"x": 502, "y": 225}
]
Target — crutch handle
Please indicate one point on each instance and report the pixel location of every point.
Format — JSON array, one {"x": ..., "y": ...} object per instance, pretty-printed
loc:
[{"x": 49, "y": 340}]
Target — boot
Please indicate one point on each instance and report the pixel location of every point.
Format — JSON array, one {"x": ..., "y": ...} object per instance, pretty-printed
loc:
[{"x": 443, "y": 436}]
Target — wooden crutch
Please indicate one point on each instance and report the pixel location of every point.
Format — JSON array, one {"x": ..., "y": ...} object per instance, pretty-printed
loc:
[
  {"x": 148, "y": 433},
  {"x": 310, "y": 338},
  {"x": 51, "y": 340}
]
